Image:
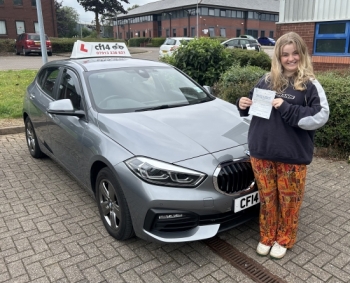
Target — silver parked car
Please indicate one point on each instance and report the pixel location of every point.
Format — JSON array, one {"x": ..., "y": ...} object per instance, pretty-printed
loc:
[{"x": 164, "y": 159}]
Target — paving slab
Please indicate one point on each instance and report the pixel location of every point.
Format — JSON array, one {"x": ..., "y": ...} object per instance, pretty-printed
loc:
[{"x": 50, "y": 231}]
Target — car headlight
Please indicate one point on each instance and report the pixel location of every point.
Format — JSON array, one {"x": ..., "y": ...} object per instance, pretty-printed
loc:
[{"x": 164, "y": 174}]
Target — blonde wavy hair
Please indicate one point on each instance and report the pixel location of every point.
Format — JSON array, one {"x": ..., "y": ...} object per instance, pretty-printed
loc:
[{"x": 279, "y": 82}]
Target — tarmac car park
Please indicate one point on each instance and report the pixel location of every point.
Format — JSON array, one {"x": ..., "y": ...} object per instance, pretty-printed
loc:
[{"x": 166, "y": 160}]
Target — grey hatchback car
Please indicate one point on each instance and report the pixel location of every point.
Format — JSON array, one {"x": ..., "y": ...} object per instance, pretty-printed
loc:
[{"x": 164, "y": 158}]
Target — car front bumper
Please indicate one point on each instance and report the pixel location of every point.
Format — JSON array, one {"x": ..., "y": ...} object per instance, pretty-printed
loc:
[{"x": 173, "y": 214}]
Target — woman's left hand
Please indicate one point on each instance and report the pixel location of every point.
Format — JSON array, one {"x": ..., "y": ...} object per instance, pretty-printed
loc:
[{"x": 277, "y": 102}]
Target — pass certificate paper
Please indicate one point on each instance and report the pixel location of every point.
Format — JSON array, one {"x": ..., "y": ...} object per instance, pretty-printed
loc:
[{"x": 262, "y": 103}]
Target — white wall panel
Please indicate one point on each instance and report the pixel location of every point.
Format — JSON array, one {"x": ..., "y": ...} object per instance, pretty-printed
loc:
[{"x": 314, "y": 10}]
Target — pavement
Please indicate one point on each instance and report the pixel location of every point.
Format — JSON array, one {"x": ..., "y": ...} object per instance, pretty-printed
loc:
[{"x": 50, "y": 231}]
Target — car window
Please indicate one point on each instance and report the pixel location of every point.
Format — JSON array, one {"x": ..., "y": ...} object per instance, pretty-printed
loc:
[
  {"x": 47, "y": 79},
  {"x": 233, "y": 42},
  {"x": 131, "y": 89},
  {"x": 170, "y": 41},
  {"x": 35, "y": 37},
  {"x": 68, "y": 89},
  {"x": 243, "y": 42}
]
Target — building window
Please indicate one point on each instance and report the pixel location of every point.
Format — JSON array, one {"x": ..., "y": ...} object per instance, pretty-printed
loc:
[
  {"x": 18, "y": 2},
  {"x": 1, "y": 2},
  {"x": 211, "y": 32},
  {"x": 3, "y": 27},
  {"x": 238, "y": 32},
  {"x": 239, "y": 14},
  {"x": 228, "y": 13},
  {"x": 204, "y": 11},
  {"x": 174, "y": 32},
  {"x": 332, "y": 38},
  {"x": 36, "y": 28},
  {"x": 222, "y": 13},
  {"x": 193, "y": 32},
  {"x": 211, "y": 12},
  {"x": 185, "y": 31},
  {"x": 167, "y": 33},
  {"x": 262, "y": 33},
  {"x": 20, "y": 27},
  {"x": 252, "y": 32},
  {"x": 223, "y": 32},
  {"x": 33, "y": 3},
  {"x": 271, "y": 34}
]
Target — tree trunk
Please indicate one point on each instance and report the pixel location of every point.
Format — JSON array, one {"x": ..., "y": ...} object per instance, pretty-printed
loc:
[{"x": 97, "y": 26}]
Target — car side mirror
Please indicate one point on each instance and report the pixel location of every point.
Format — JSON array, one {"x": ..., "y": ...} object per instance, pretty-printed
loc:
[
  {"x": 208, "y": 89},
  {"x": 64, "y": 107}
]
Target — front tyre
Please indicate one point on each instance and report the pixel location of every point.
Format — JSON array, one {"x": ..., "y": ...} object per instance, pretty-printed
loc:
[
  {"x": 112, "y": 206},
  {"x": 32, "y": 140}
]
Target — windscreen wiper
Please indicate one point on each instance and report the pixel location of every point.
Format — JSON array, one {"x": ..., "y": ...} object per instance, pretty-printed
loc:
[{"x": 164, "y": 106}]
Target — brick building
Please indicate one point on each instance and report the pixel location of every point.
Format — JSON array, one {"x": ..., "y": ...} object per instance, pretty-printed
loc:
[
  {"x": 18, "y": 16},
  {"x": 215, "y": 18},
  {"x": 325, "y": 27}
]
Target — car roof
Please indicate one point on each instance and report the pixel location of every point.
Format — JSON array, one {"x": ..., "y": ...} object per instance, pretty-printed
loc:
[
  {"x": 181, "y": 37},
  {"x": 106, "y": 63}
]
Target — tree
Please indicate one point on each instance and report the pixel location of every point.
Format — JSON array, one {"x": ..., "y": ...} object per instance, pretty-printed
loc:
[
  {"x": 67, "y": 20},
  {"x": 133, "y": 7},
  {"x": 103, "y": 7}
]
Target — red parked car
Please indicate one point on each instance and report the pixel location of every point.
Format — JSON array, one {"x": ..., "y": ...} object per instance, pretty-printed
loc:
[{"x": 30, "y": 43}]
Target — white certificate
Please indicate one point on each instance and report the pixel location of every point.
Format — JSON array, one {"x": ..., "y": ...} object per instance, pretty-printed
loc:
[{"x": 262, "y": 103}]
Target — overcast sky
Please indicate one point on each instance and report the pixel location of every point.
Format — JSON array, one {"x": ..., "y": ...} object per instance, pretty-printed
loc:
[{"x": 87, "y": 17}]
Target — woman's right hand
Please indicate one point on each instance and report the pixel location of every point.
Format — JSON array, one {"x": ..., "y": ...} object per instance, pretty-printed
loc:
[{"x": 244, "y": 103}]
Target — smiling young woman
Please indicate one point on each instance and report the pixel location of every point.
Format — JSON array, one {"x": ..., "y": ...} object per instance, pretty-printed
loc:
[{"x": 281, "y": 147}]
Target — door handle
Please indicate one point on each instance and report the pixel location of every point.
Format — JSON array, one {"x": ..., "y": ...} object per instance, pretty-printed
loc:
[{"x": 31, "y": 96}]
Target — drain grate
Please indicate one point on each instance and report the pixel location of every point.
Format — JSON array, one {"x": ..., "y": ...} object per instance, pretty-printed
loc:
[{"x": 248, "y": 266}]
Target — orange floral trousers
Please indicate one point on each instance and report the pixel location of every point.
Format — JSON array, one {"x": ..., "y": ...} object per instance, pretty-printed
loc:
[{"x": 281, "y": 191}]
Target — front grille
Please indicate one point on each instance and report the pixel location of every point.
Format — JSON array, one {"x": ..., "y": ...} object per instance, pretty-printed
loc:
[{"x": 233, "y": 177}]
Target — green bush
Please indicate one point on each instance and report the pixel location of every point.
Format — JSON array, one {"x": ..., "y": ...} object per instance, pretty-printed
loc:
[
  {"x": 138, "y": 41},
  {"x": 336, "y": 133},
  {"x": 237, "y": 82},
  {"x": 7, "y": 45},
  {"x": 248, "y": 57},
  {"x": 202, "y": 59},
  {"x": 157, "y": 41}
]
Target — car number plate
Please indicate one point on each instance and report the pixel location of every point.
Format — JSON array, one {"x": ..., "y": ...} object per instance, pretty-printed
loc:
[
  {"x": 37, "y": 42},
  {"x": 246, "y": 201}
]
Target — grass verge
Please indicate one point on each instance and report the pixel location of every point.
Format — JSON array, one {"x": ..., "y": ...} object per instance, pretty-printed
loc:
[{"x": 13, "y": 85}]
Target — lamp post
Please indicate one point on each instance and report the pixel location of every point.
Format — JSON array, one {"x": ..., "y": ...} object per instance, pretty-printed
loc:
[{"x": 197, "y": 18}]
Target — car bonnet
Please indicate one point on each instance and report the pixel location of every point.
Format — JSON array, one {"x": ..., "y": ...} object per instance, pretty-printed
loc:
[{"x": 176, "y": 134}]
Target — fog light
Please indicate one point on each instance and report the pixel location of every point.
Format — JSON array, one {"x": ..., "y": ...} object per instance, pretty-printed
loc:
[{"x": 170, "y": 216}]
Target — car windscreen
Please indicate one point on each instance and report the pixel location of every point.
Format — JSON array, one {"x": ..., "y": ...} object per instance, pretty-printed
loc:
[{"x": 142, "y": 89}]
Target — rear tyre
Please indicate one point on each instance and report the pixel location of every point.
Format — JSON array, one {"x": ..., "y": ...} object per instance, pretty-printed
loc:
[
  {"x": 112, "y": 206},
  {"x": 32, "y": 141},
  {"x": 23, "y": 52}
]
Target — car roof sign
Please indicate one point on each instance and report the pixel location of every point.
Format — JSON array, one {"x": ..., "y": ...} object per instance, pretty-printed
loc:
[{"x": 83, "y": 49}]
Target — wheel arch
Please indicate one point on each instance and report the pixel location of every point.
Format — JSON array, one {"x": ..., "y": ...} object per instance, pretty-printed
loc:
[{"x": 95, "y": 168}]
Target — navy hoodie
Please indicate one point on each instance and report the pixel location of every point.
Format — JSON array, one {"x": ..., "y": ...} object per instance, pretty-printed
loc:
[{"x": 288, "y": 136}]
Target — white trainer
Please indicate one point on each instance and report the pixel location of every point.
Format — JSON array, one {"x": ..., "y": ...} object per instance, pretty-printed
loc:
[
  {"x": 278, "y": 251},
  {"x": 262, "y": 249}
]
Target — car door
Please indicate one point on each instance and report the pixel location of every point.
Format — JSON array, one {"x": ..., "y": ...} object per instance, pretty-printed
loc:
[
  {"x": 67, "y": 132},
  {"x": 40, "y": 95}
]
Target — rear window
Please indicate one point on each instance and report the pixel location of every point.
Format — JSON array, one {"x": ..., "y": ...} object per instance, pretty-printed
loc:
[
  {"x": 170, "y": 41},
  {"x": 35, "y": 37}
]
